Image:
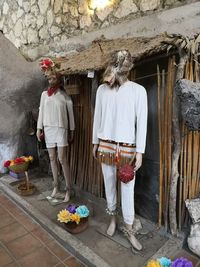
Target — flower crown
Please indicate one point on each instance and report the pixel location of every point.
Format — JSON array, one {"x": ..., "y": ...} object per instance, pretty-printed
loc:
[
  {"x": 46, "y": 64},
  {"x": 49, "y": 67}
]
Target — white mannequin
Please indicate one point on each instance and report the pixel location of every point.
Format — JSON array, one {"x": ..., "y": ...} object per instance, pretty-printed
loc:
[
  {"x": 115, "y": 76},
  {"x": 58, "y": 151}
]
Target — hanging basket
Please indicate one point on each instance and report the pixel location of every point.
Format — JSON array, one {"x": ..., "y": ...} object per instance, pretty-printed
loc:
[
  {"x": 20, "y": 167},
  {"x": 74, "y": 228}
]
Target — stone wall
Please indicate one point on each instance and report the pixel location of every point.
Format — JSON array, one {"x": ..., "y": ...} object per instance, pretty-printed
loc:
[{"x": 36, "y": 24}]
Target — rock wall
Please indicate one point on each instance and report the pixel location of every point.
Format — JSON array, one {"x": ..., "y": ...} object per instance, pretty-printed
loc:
[
  {"x": 32, "y": 24},
  {"x": 21, "y": 86}
]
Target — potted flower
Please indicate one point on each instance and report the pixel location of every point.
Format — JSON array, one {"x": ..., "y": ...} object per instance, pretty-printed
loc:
[
  {"x": 75, "y": 218},
  {"x": 165, "y": 262}
]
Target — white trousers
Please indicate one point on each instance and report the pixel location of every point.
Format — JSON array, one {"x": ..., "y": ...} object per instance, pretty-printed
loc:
[{"x": 127, "y": 193}]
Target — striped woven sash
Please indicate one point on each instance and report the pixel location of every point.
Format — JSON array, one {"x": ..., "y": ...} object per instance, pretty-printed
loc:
[{"x": 113, "y": 153}]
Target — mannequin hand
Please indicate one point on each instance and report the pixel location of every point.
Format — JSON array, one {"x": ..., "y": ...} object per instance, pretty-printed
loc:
[
  {"x": 94, "y": 151},
  {"x": 138, "y": 161},
  {"x": 71, "y": 137},
  {"x": 38, "y": 134}
]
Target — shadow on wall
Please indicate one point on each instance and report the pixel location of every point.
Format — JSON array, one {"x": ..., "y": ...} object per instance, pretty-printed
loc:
[{"x": 21, "y": 85}]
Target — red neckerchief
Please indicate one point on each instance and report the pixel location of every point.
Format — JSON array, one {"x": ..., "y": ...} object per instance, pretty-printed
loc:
[{"x": 52, "y": 90}]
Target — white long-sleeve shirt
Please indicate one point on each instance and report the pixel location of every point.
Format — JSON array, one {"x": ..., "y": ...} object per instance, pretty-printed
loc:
[
  {"x": 54, "y": 111},
  {"x": 121, "y": 115}
]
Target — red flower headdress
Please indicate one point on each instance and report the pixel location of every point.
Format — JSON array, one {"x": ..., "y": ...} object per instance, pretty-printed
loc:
[
  {"x": 50, "y": 68},
  {"x": 47, "y": 64}
]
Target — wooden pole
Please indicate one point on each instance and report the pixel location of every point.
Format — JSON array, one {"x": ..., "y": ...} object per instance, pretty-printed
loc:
[
  {"x": 166, "y": 143},
  {"x": 176, "y": 148},
  {"x": 160, "y": 150},
  {"x": 181, "y": 181}
]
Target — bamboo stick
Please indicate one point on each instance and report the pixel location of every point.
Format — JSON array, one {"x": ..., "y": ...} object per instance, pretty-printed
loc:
[
  {"x": 195, "y": 163},
  {"x": 166, "y": 173},
  {"x": 198, "y": 169},
  {"x": 189, "y": 165},
  {"x": 162, "y": 139},
  {"x": 169, "y": 130},
  {"x": 181, "y": 181},
  {"x": 160, "y": 149},
  {"x": 184, "y": 171}
]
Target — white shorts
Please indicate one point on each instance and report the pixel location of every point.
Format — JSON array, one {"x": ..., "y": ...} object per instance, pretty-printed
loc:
[{"x": 55, "y": 137}]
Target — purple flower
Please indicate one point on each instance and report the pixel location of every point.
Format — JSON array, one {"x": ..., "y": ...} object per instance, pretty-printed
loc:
[
  {"x": 182, "y": 262},
  {"x": 71, "y": 208}
]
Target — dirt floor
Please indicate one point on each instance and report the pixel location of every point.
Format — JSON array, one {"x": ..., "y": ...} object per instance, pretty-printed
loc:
[{"x": 115, "y": 251}]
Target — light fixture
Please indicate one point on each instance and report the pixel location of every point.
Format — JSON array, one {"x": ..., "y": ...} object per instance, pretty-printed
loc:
[{"x": 100, "y": 4}]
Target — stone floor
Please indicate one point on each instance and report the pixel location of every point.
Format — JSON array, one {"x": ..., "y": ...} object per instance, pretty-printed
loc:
[
  {"x": 23, "y": 242},
  {"x": 114, "y": 251}
]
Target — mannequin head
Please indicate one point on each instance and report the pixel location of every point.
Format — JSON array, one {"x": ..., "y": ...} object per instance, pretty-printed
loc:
[
  {"x": 118, "y": 68},
  {"x": 53, "y": 79},
  {"x": 50, "y": 71}
]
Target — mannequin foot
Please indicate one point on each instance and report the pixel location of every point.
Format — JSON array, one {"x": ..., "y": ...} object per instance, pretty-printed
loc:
[
  {"x": 134, "y": 242},
  {"x": 130, "y": 234},
  {"x": 67, "y": 196},
  {"x": 55, "y": 191},
  {"x": 112, "y": 226}
]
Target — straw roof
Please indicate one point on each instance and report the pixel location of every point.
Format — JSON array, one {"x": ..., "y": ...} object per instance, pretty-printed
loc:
[{"x": 97, "y": 54}]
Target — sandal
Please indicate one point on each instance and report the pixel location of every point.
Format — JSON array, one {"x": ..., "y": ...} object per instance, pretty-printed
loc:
[{"x": 129, "y": 234}]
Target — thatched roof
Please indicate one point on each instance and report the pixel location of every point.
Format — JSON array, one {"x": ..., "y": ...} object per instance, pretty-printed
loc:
[{"x": 97, "y": 54}]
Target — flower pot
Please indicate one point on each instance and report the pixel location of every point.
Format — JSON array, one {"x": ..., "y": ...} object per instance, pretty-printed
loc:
[{"x": 74, "y": 228}]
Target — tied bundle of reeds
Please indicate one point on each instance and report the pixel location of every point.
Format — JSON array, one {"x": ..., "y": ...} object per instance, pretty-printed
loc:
[
  {"x": 165, "y": 87},
  {"x": 185, "y": 161}
]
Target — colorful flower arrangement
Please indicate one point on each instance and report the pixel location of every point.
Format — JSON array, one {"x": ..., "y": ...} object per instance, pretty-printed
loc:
[
  {"x": 73, "y": 213},
  {"x": 17, "y": 161},
  {"x": 165, "y": 262}
]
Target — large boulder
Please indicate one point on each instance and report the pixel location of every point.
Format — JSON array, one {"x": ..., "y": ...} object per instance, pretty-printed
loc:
[
  {"x": 189, "y": 94},
  {"x": 194, "y": 239},
  {"x": 193, "y": 206},
  {"x": 21, "y": 84}
]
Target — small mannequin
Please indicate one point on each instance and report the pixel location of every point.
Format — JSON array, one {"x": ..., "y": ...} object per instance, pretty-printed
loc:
[
  {"x": 119, "y": 135},
  {"x": 55, "y": 108}
]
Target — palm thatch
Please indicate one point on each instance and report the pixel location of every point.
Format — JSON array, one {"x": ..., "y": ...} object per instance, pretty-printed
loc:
[{"x": 97, "y": 54}]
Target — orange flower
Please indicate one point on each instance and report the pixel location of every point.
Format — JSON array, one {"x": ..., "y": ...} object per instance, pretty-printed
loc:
[
  {"x": 12, "y": 162},
  {"x": 75, "y": 218}
]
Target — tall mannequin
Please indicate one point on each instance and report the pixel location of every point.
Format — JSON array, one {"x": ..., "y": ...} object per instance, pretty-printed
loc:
[
  {"x": 55, "y": 109},
  {"x": 119, "y": 134}
]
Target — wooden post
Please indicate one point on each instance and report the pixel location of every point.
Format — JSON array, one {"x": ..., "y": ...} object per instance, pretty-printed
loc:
[
  {"x": 160, "y": 153},
  {"x": 176, "y": 148}
]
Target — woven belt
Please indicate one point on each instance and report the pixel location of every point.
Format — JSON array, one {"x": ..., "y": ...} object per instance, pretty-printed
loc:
[{"x": 120, "y": 143}]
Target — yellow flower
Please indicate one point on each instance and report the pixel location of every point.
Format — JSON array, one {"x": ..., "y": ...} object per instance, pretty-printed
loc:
[
  {"x": 153, "y": 263},
  {"x": 26, "y": 159},
  {"x": 75, "y": 218},
  {"x": 64, "y": 216},
  {"x": 30, "y": 158},
  {"x": 12, "y": 162}
]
